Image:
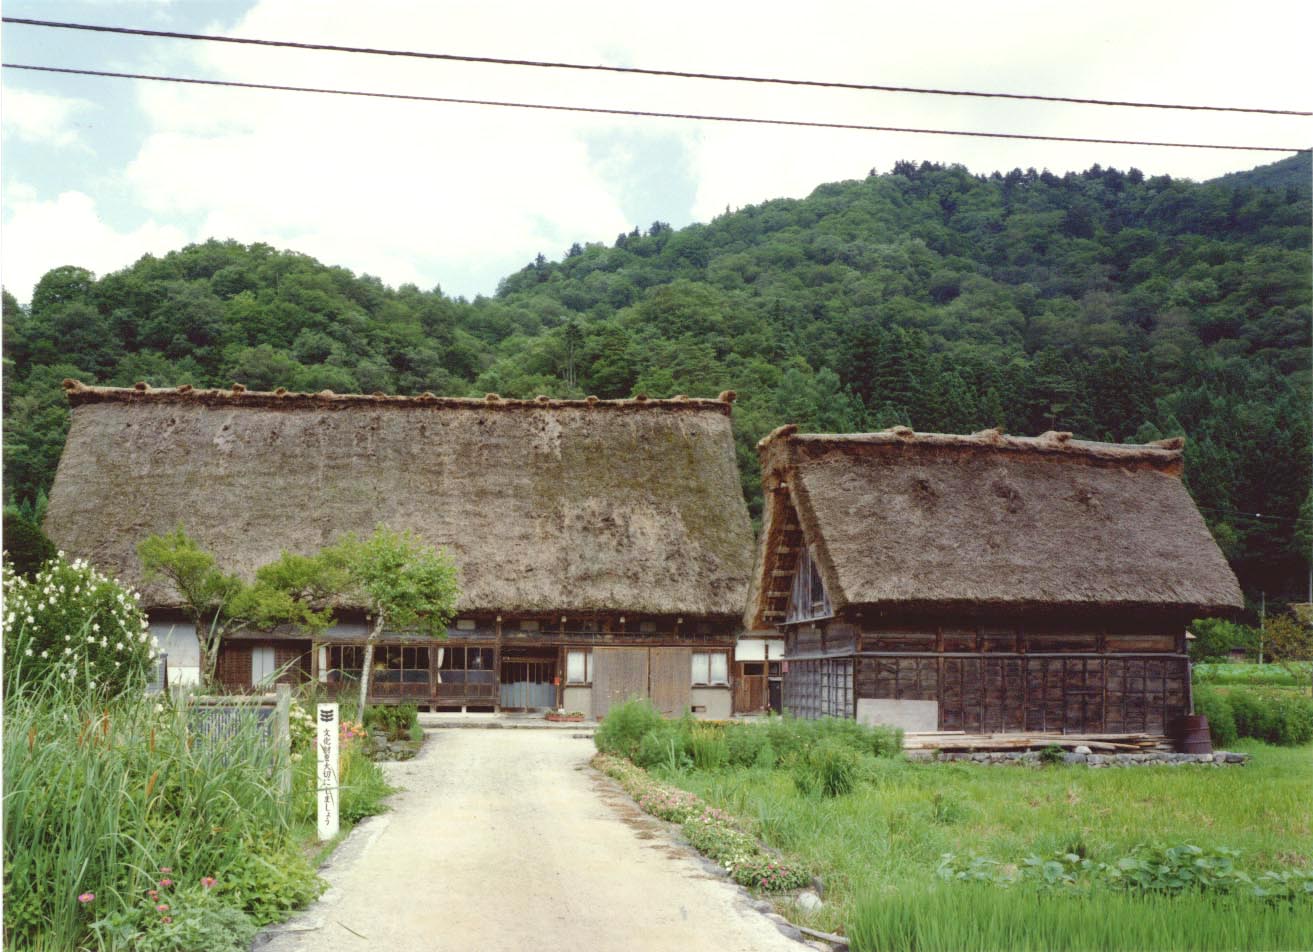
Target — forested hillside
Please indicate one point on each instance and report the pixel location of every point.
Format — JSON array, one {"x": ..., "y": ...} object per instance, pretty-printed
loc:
[{"x": 1108, "y": 303}]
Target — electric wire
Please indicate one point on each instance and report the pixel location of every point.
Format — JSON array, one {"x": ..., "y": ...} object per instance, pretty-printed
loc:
[
  {"x": 640, "y": 71},
  {"x": 647, "y": 114}
]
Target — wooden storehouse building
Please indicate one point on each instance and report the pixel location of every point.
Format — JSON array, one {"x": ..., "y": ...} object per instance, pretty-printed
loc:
[
  {"x": 984, "y": 583},
  {"x": 603, "y": 546}
]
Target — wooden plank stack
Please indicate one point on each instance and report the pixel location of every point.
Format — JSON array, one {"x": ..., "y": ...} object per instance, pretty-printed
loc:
[{"x": 1100, "y": 743}]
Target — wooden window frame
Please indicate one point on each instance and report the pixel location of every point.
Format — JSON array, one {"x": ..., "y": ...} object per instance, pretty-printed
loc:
[
  {"x": 808, "y": 598},
  {"x": 709, "y": 683},
  {"x": 587, "y": 682}
]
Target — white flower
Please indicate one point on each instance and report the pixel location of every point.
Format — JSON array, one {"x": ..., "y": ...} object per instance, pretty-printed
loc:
[
  {"x": 68, "y": 650},
  {"x": 104, "y": 642},
  {"x": 91, "y": 639},
  {"x": 118, "y": 646},
  {"x": 28, "y": 652},
  {"x": 95, "y": 626},
  {"x": 159, "y": 708},
  {"x": 92, "y": 683},
  {"x": 45, "y": 654}
]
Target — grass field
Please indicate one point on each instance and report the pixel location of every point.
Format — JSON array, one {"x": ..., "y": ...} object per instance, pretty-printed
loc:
[{"x": 878, "y": 847}]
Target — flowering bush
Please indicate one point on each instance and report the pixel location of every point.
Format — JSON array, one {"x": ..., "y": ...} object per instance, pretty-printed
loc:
[
  {"x": 712, "y": 832},
  {"x": 177, "y": 918},
  {"x": 72, "y": 623},
  {"x": 301, "y": 724},
  {"x": 768, "y": 875}
]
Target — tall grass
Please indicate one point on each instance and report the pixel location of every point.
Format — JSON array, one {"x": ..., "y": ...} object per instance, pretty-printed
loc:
[
  {"x": 981, "y": 918},
  {"x": 101, "y": 792}
]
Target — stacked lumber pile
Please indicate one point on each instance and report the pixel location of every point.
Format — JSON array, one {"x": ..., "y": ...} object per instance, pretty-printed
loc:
[{"x": 1100, "y": 743}]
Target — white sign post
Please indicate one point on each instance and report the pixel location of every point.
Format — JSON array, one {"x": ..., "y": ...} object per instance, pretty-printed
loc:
[{"x": 327, "y": 744}]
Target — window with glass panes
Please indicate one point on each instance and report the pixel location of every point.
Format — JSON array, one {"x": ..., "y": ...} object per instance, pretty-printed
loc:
[{"x": 710, "y": 667}]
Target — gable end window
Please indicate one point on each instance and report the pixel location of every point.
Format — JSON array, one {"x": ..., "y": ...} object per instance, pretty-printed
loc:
[{"x": 807, "y": 597}]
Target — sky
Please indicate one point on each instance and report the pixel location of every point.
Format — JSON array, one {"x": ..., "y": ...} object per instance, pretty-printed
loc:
[{"x": 97, "y": 172}]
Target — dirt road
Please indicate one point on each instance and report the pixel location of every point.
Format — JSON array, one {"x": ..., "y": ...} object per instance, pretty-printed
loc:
[{"x": 507, "y": 840}]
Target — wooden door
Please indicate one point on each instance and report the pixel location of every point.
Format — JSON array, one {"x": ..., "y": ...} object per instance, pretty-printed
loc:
[
  {"x": 749, "y": 686},
  {"x": 618, "y": 675}
]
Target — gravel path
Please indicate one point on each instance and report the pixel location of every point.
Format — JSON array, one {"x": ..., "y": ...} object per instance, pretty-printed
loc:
[{"x": 507, "y": 840}]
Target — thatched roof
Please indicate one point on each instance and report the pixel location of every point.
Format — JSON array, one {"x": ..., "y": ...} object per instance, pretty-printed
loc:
[
  {"x": 901, "y": 519},
  {"x": 545, "y": 505}
]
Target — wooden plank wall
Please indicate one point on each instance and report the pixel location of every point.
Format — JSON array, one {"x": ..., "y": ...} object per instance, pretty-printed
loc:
[
  {"x": 671, "y": 691},
  {"x": 618, "y": 675}
]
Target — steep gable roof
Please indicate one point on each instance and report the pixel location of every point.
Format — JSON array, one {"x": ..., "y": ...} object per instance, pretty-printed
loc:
[
  {"x": 897, "y": 518},
  {"x": 571, "y": 505}
]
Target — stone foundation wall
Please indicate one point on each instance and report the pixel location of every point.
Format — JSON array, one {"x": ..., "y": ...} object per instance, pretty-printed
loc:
[{"x": 1032, "y": 758}]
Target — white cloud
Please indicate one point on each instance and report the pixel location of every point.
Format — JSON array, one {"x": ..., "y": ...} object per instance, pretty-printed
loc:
[
  {"x": 43, "y": 234},
  {"x": 42, "y": 119}
]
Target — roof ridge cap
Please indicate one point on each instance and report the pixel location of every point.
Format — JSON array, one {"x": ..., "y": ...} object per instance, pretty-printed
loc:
[{"x": 78, "y": 392}]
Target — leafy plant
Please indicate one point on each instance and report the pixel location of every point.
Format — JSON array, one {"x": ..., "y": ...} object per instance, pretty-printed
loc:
[
  {"x": 72, "y": 623},
  {"x": 1052, "y": 754},
  {"x": 622, "y": 729}
]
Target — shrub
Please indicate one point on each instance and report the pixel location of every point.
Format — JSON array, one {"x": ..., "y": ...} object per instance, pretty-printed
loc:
[
  {"x": 26, "y": 545},
  {"x": 793, "y": 738},
  {"x": 769, "y": 875},
  {"x": 269, "y": 882},
  {"x": 177, "y": 920},
  {"x": 621, "y": 731},
  {"x": 1052, "y": 754},
  {"x": 668, "y": 746},
  {"x": 743, "y": 744},
  {"x": 74, "y": 624},
  {"x": 396, "y": 720},
  {"x": 1221, "y": 721},
  {"x": 1255, "y": 716},
  {"x": 1275, "y": 717}
]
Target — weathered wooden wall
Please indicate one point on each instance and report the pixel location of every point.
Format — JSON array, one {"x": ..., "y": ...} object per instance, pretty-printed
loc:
[{"x": 1042, "y": 674}]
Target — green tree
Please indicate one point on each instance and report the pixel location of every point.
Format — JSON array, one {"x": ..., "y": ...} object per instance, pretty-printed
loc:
[
  {"x": 401, "y": 583},
  {"x": 209, "y": 595}
]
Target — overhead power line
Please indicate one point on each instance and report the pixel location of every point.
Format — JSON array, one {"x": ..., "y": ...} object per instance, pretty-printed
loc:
[
  {"x": 639, "y": 71},
  {"x": 647, "y": 114}
]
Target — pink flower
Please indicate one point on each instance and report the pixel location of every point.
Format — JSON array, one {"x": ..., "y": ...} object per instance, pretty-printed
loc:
[
  {"x": 166, "y": 918},
  {"x": 86, "y": 897},
  {"x": 208, "y": 881},
  {"x": 153, "y": 893},
  {"x": 162, "y": 907},
  {"x": 165, "y": 883}
]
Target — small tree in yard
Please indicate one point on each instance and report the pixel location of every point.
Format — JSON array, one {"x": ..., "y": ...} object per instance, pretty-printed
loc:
[
  {"x": 208, "y": 594},
  {"x": 401, "y": 583},
  {"x": 295, "y": 590}
]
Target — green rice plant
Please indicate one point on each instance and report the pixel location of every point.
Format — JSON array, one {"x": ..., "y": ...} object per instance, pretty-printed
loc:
[{"x": 973, "y": 917}]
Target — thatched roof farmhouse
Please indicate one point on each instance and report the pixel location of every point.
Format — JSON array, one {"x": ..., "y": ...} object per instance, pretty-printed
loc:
[
  {"x": 606, "y": 523},
  {"x": 984, "y": 582}
]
